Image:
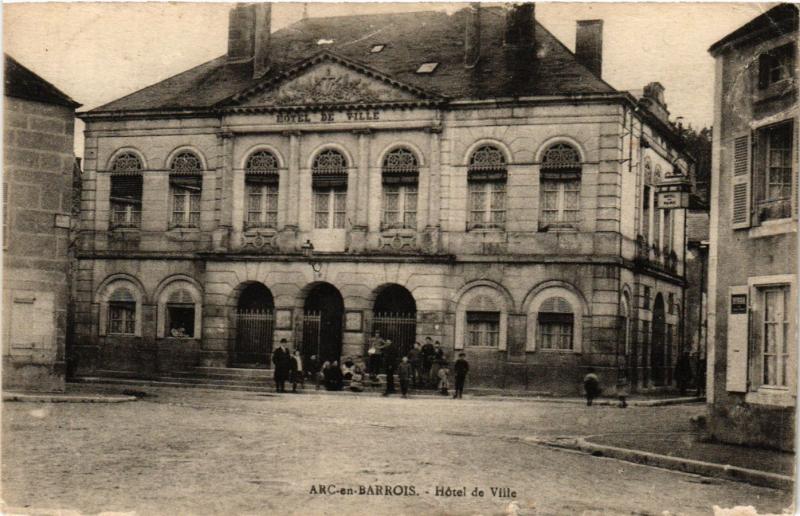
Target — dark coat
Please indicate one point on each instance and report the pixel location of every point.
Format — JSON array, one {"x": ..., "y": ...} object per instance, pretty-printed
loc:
[
  {"x": 461, "y": 367},
  {"x": 404, "y": 371}
]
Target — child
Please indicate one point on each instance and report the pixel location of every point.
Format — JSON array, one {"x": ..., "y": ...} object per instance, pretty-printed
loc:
[
  {"x": 404, "y": 373},
  {"x": 444, "y": 379},
  {"x": 622, "y": 388},
  {"x": 591, "y": 384},
  {"x": 460, "y": 368},
  {"x": 356, "y": 384}
]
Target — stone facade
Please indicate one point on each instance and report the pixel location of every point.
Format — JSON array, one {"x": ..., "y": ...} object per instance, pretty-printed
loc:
[
  {"x": 37, "y": 186},
  {"x": 478, "y": 286},
  {"x": 753, "y": 256}
]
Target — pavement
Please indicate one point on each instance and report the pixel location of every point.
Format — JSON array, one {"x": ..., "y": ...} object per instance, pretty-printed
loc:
[{"x": 193, "y": 451}]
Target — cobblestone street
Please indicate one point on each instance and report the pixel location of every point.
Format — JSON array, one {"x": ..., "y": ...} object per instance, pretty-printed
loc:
[{"x": 184, "y": 451}]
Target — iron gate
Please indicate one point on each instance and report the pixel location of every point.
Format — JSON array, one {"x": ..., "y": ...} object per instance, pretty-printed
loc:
[
  {"x": 309, "y": 338},
  {"x": 400, "y": 328},
  {"x": 254, "y": 331}
]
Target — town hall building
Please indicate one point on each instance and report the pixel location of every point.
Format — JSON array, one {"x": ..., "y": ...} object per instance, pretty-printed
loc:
[{"x": 477, "y": 183}]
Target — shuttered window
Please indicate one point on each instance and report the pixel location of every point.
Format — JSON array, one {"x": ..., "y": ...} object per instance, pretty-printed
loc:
[
  {"x": 740, "y": 183},
  {"x": 560, "y": 187}
]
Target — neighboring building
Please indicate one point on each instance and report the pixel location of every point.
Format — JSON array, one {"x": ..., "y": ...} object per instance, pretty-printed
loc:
[
  {"x": 695, "y": 321},
  {"x": 752, "y": 363},
  {"x": 477, "y": 183},
  {"x": 38, "y": 163}
]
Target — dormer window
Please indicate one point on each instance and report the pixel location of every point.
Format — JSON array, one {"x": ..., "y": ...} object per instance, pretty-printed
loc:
[
  {"x": 427, "y": 67},
  {"x": 377, "y": 48}
]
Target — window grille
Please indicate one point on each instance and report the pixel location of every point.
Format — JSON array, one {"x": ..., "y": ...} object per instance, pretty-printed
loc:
[
  {"x": 127, "y": 162},
  {"x": 186, "y": 163},
  {"x": 561, "y": 156}
]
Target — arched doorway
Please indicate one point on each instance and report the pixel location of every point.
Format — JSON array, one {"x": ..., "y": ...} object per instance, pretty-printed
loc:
[
  {"x": 394, "y": 316},
  {"x": 657, "y": 348},
  {"x": 323, "y": 313},
  {"x": 626, "y": 358},
  {"x": 254, "y": 326}
]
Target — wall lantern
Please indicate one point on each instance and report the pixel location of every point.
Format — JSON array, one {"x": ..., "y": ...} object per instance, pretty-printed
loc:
[{"x": 308, "y": 254}]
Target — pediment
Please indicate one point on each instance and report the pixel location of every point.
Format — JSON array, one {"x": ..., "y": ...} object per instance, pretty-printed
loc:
[{"x": 328, "y": 82}]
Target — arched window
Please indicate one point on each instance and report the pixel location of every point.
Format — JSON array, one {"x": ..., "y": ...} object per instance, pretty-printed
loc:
[
  {"x": 560, "y": 186},
  {"x": 261, "y": 184},
  {"x": 400, "y": 179},
  {"x": 486, "y": 177},
  {"x": 186, "y": 187},
  {"x": 554, "y": 320},
  {"x": 121, "y": 312},
  {"x": 179, "y": 310},
  {"x": 329, "y": 184},
  {"x": 126, "y": 191},
  {"x": 555, "y": 324},
  {"x": 120, "y": 308},
  {"x": 481, "y": 318}
]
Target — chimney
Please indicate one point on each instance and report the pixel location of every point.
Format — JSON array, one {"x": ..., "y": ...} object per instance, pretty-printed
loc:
[
  {"x": 249, "y": 32},
  {"x": 472, "y": 35},
  {"x": 520, "y": 25},
  {"x": 262, "y": 38},
  {"x": 589, "y": 45}
]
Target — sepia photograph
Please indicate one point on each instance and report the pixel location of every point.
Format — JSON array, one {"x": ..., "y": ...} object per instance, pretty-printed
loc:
[{"x": 382, "y": 258}]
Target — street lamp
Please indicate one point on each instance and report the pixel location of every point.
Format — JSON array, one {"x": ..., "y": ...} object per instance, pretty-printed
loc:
[{"x": 308, "y": 253}]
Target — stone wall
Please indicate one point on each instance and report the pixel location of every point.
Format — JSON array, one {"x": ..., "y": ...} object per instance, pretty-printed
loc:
[{"x": 37, "y": 180}]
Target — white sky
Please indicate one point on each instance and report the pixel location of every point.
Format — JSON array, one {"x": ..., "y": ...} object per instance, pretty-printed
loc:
[{"x": 97, "y": 52}]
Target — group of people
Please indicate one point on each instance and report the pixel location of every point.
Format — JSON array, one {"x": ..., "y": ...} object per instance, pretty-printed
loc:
[{"x": 423, "y": 366}]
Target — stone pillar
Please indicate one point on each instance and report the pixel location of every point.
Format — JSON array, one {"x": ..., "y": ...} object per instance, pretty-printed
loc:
[
  {"x": 358, "y": 190},
  {"x": 289, "y": 189},
  {"x": 430, "y": 237},
  {"x": 221, "y": 236}
]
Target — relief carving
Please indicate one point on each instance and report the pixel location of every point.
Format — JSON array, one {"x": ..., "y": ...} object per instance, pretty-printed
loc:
[{"x": 331, "y": 84}]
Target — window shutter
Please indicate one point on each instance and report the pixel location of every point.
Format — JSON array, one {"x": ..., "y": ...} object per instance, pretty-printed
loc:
[
  {"x": 460, "y": 339},
  {"x": 796, "y": 175},
  {"x": 740, "y": 198},
  {"x": 737, "y": 346},
  {"x": 756, "y": 314}
]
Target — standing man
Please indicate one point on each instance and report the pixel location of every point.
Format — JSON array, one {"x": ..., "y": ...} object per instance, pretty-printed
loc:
[
  {"x": 374, "y": 354},
  {"x": 296, "y": 367},
  {"x": 413, "y": 359},
  {"x": 279, "y": 360},
  {"x": 460, "y": 368},
  {"x": 427, "y": 352},
  {"x": 404, "y": 373},
  {"x": 389, "y": 352}
]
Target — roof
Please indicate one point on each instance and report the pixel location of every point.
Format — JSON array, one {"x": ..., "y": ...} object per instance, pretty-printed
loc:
[
  {"x": 22, "y": 83},
  {"x": 437, "y": 37},
  {"x": 781, "y": 19}
]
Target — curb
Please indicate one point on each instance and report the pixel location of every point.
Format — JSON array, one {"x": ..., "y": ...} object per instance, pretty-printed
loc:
[
  {"x": 66, "y": 398},
  {"x": 697, "y": 467},
  {"x": 470, "y": 394}
]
